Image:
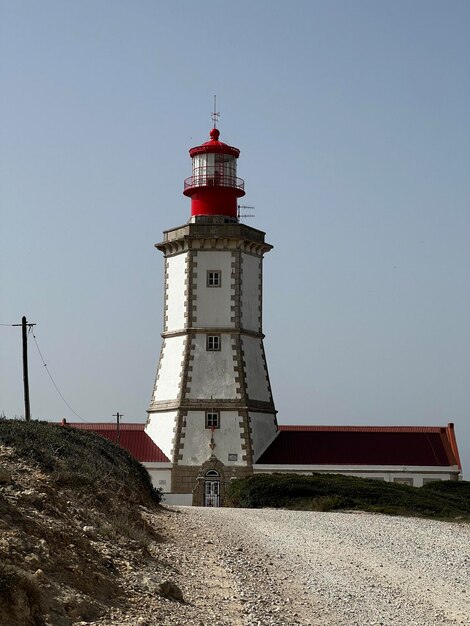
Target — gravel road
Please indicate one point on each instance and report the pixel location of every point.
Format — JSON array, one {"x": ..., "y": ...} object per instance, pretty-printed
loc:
[
  {"x": 275, "y": 567},
  {"x": 242, "y": 567}
]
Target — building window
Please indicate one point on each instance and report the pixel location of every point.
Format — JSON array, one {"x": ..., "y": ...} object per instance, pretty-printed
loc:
[
  {"x": 426, "y": 481},
  {"x": 212, "y": 419},
  {"x": 232, "y": 456},
  {"x": 213, "y": 342},
  {"x": 403, "y": 481},
  {"x": 214, "y": 278}
]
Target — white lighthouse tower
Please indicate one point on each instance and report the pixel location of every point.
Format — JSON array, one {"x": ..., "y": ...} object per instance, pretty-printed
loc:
[{"x": 212, "y": 411}]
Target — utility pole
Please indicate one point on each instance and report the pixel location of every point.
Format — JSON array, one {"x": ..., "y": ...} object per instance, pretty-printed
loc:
[
  {"x": 24, "y": 328},
  {"x": 118, "y": 416}
]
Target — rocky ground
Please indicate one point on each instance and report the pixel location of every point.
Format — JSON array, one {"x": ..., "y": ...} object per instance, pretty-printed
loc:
[
  {"x": 221, "y": 567},
  {"x": 281, "y": 568},
  {"x": 340, "y": 569},
  {"x": 240, "y": 567}
]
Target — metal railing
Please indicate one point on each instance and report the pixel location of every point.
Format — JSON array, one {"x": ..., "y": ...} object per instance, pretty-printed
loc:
[{"x": 214, "y": 179}]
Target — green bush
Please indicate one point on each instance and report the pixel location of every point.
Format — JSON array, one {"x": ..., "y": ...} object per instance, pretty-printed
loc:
[
  {"x": 459, "y": 489},
  {"x": 323, "y": 492},
  {"x": 329, "y": 503}
]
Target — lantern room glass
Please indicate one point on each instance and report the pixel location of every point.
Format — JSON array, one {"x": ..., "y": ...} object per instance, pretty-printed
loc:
[{"x": 214, "y": 169}]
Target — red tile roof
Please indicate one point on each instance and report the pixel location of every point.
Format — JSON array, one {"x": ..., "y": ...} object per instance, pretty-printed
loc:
[
  {"x": 132, "y": 437},
  {"x": 363, "y": 445},
  {"x": 320, "y": 445}
]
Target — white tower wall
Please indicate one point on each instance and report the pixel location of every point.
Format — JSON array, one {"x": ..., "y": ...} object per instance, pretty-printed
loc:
[
  {"x": 170, "y": 369},
  {"x": 228, "y": 439},
  {"x": 176, "y": 301},
  {"x": 212, "y": 410},
  {"x": 262, "y": 435},
  {"x": 161, "y": 430},
  {"x": 213, "y": 375},
  {"x": 257, "y": 381},
  {"x": 212, "y": 361},
  {"x": 213, "y": 304}
]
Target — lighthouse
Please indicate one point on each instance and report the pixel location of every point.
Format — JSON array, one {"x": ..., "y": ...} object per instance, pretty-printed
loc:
[{"x": 212, "y": 411}]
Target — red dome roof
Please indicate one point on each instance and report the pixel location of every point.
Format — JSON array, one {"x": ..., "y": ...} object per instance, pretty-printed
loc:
[{"x": 214, "y": 145}]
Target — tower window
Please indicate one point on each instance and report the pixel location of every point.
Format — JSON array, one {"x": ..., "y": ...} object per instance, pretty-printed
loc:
[
  {"x": 214, "y": 278},
  {"x": 212, "y": 419},
  {"x": 213, "y": 342}
]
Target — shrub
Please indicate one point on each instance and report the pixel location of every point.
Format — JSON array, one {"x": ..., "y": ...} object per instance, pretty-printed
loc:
[{"x": 335, "y": 491}]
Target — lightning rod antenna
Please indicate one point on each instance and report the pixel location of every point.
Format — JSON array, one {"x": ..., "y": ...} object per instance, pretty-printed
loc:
[{"x": 215, "y": 115}]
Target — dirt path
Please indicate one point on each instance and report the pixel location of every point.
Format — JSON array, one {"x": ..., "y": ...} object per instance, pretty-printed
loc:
[
  {"x": 340, "y": 569},
  {"x": 239, "y": 567}
]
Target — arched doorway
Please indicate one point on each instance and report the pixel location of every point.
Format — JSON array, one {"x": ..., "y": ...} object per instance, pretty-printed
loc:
[{"x": 212, "y": 488}]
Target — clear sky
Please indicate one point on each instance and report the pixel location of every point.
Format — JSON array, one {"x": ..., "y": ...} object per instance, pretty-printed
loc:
[{"x": 354, "y": 128}]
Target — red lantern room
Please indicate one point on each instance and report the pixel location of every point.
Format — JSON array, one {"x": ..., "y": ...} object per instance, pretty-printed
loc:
[{"x": 214, "y": 188}]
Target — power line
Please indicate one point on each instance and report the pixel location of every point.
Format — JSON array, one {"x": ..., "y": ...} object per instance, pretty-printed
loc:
[{"x": 53, "y": 381}]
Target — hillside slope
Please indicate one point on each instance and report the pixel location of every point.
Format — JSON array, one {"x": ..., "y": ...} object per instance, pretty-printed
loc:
[{"x": 73, "y": 516}]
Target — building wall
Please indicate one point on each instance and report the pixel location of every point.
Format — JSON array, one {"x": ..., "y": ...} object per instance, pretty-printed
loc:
[
  {"x": 160, "y": 428},
  {"x": 175, "y": 288},
  {"x": 213, "y": 372},
  {"x": 263, "y": 432},
  {"x": 178, "y": 499},
  {"x": 415, "y": 476},
  {"x": 228, "y": 439},
  {"x": 184, "y": 484},
  {"x": 256, "y": 374},
  {"x": 189, "y": 480},
  {"x": 212, "y": 304},
  {"x": 170, "y": 369},
  {"x": 161, "y": 476}
]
